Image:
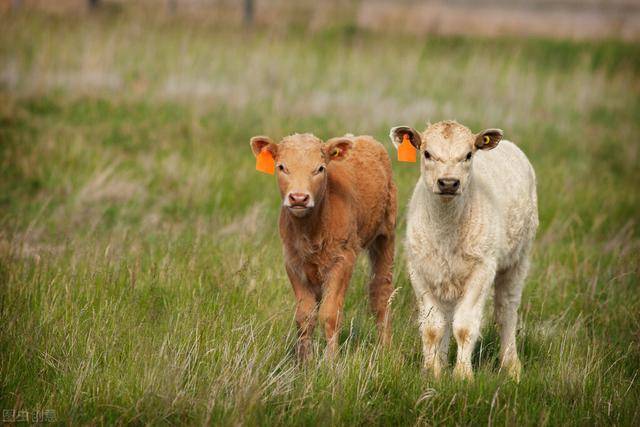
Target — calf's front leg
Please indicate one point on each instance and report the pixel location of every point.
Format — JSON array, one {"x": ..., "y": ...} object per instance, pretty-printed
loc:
[
  {"x": 434, "y": 324},
  {"x": 334, "y": 289},
  {"x": 306, "y": 313},
  {"x": 435, "y": 331},
  {"x": 467, "y": 317}
]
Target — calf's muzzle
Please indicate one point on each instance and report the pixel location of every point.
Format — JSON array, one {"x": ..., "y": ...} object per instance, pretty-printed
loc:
[
  {"x": 299, "y": 200},
  {"x": 448, "y": 185}
]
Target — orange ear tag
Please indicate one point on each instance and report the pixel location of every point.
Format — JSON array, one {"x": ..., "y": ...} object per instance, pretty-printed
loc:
[
  {"x": 265, "y": 162},
  {"x": 406, "y": 151}
]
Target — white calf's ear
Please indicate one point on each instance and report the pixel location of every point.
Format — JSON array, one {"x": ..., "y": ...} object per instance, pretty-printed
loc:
[
  {"x": 488, "y": 139},
  {"x": 258, "y": 143},
  {"x": 397, "y": 134},
  {"x": 337, "y": 148}
]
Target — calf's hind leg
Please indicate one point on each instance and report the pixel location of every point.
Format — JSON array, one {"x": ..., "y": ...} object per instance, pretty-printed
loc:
[
  {"x": 508, "y": 292},
  {"x": 381, "y": 254}
]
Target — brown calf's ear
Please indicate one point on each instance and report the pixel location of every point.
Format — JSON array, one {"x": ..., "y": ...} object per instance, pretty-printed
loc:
[
  {"x": 337, "y": 148},
  {"x": 258, "y": 143},
  {"x": 397, "y": 134},
  {"x": 488, "y": 139}
]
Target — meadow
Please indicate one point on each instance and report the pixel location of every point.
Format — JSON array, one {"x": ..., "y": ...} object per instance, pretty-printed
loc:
[{"x": 141, "y": 273}]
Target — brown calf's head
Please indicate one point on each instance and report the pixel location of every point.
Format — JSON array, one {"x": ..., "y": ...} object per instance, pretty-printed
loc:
[
  {"x": 301, "y": 167},
  {"x": 447, "y": 149}
]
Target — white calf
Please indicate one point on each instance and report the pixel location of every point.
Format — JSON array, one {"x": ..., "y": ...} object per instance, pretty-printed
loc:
[{"x": 471, "y": 223}]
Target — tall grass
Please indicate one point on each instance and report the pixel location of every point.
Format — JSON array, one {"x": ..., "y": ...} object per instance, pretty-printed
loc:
[{"x": 141, "y": 276}]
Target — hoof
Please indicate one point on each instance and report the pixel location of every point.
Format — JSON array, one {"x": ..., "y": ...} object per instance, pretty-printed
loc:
[
  {"x": 513, "y": 369},
  {"x": 463, "y": 372},
  {"x": 432, "y": 370},
  {"x": 304, "y": 352},
  {"x": 331, "y": 352}
]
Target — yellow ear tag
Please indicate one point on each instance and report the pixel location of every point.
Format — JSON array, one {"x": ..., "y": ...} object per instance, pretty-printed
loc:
[
  {"x": 487, "y": 140},
  {"x": 406, "y": 151},
  {"x": 265, "y": 162}
]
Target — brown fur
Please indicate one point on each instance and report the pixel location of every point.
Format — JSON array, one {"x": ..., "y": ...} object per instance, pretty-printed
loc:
[
  {"x": 354, "y": 209},
  {"x": 447, "y": 129},
  {"x": 431, "y": 335},
  {"x": 462, "y": 335}
]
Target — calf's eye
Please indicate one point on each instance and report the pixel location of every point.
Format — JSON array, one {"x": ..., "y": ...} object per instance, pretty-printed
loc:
[
  {"x": 468, "y": 156},
  {"x": 427, "y": 155},
  {"x": 281, "y": 167},
  {"x": 320, "y": 170}
]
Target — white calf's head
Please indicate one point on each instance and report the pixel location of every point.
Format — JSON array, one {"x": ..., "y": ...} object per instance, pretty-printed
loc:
[{"x": 447, "y": 149}]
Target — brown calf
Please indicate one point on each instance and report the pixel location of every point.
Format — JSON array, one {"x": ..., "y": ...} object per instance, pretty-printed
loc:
[{"x": 338, "y": 198}]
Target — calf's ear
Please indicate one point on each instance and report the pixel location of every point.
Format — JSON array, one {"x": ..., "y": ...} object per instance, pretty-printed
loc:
[
  {"x": 488, "y": 139},
  {"x": 397, "y": 135},
  {"x": 337, "y": 148},
  {"x": 259, "y": 143}
]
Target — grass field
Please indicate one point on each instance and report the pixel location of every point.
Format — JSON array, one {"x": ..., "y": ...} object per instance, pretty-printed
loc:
[{"x": 141, "y": 274}]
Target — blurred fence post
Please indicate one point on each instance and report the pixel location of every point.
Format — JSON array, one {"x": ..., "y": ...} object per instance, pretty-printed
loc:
[
  {"x": 248, "y": 12},
  {"x": 15, "y": 4},
  {"x": 93, "y": 4},
  {"x": 172, "y": 5}
]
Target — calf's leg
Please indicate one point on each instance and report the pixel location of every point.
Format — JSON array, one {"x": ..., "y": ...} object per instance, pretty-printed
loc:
[
  {"x": 306, "y": 314},
  {"x": 435, "y": 332},
  {"x": 334, "y": 289},
  {"x": 467, "y": 318},
  {"x": 508, "y": 292},
  {"x": 381, "y": 254}
]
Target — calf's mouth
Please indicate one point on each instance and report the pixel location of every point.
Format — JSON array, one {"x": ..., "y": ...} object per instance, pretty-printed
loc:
[
  {"x": 447, "y": 196},
  {"x": 299, "y": 210}
]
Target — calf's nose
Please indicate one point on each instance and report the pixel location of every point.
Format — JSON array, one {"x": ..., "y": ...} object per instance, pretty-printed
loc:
[
  {"x": 448, "y": 185},
  {"x": 299, "y": 198}
]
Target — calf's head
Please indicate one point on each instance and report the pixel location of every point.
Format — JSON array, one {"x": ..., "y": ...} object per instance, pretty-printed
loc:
[
  {"x": 301, "y": 167},
  {"x": 447, "y": 149}
]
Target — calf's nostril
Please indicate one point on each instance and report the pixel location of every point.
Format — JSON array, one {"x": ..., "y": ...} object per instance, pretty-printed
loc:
[{"x": 456, "y": 184}]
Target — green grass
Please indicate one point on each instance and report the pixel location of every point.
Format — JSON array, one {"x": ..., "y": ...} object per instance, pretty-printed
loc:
[{"x": 141, "y": 274}]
